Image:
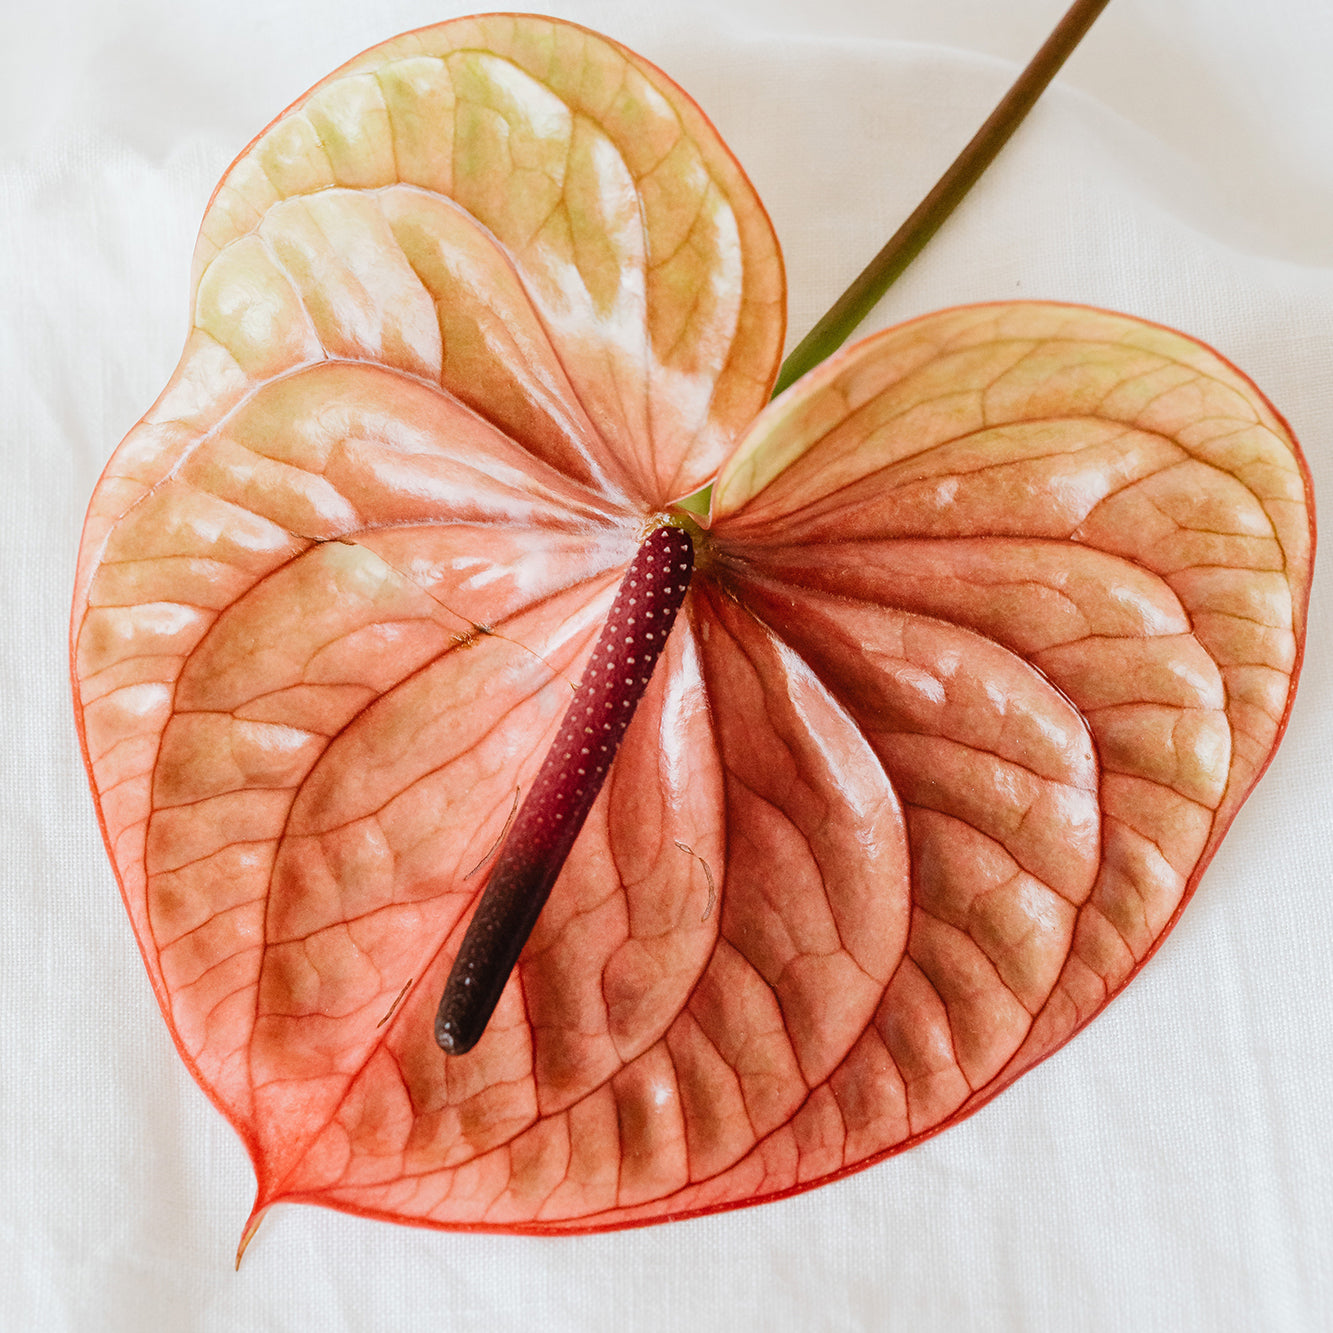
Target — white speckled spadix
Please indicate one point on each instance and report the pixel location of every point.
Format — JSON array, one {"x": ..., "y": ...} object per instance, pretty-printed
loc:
[{"x": 549, "y": 819}]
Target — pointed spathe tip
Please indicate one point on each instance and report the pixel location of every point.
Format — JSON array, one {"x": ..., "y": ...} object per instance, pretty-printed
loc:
[{"x": 251, "y": 1226}]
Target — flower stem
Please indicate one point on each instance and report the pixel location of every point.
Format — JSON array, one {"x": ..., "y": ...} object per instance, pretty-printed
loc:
[{"x": 907, "y": 242}]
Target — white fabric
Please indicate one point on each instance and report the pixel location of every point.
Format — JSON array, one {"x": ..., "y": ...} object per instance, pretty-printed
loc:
[{"x": 1170, "y": 1169}]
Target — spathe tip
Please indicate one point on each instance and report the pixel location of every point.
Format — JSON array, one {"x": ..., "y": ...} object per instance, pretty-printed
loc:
[{"x": 251, "y": 1226}]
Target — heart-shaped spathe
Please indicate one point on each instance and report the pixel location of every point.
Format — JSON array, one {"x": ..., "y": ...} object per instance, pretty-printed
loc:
[{"x": 995, "y": 624}]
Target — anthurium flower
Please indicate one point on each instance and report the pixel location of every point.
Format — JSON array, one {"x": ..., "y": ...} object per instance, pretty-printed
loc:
[{"x": 993, "y": 626}]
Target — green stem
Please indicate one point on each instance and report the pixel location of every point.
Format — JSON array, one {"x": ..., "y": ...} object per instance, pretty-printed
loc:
[{"x": 906, "y": 243}]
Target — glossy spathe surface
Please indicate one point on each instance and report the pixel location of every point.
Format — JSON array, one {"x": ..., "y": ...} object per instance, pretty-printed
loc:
[{"x": 929, "y": 828}]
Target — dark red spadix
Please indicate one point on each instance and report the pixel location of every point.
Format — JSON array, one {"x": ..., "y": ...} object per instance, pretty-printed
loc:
[{"x": 549, "y": 819}]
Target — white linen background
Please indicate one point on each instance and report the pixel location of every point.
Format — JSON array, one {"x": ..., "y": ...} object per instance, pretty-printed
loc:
[{"x": 1172, "y": 1168}]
